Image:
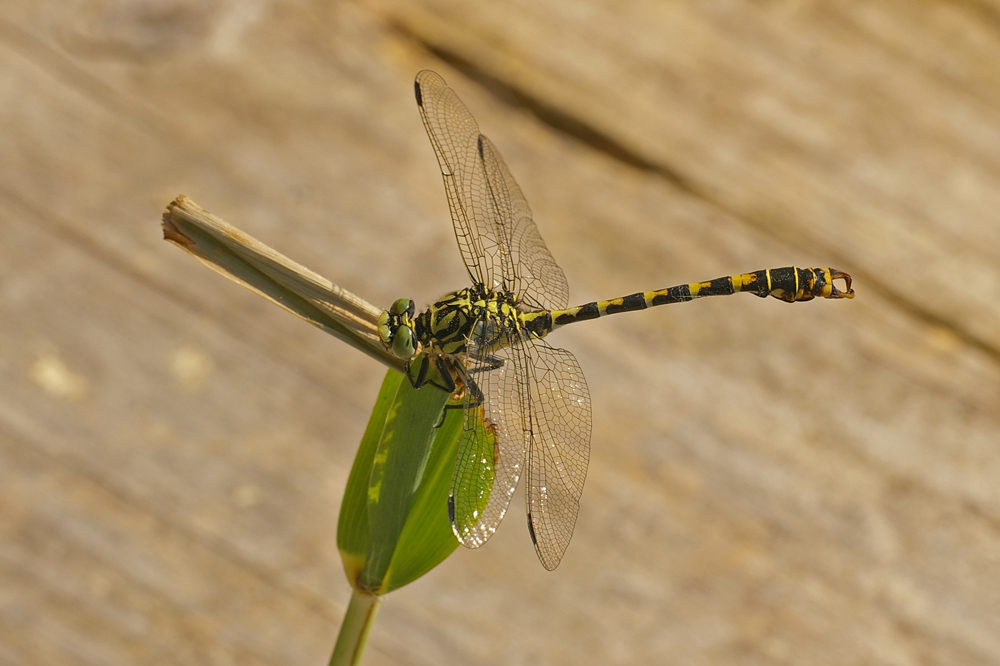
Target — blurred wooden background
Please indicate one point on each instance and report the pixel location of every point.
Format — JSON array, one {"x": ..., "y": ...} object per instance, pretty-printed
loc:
[{"x": 817, "y": 484}]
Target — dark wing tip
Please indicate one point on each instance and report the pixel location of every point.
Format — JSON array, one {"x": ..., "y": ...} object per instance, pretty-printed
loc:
[{"x": 416, "y": 91}]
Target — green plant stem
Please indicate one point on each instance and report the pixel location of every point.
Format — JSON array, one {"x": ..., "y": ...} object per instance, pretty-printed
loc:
[{"x": 358, "y": 621}]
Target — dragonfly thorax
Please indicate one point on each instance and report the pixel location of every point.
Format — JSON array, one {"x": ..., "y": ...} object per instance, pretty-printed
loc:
[
  {"x": 467, "y": 318},
  {"x": 471, "y": 317}
]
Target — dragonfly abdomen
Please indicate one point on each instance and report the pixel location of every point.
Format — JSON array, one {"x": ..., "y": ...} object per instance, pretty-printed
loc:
[{"x": 789, "y": 284}]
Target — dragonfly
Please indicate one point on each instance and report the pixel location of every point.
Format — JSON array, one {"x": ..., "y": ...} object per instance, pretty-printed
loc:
[{"x": 527, "y": 409}]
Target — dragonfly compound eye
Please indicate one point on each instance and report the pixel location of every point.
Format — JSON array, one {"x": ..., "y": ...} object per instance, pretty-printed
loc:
[
  {"x": 402, "y": 306},
  {"x": 402, "y": 342},
  {"x": 385, "y": 332}
]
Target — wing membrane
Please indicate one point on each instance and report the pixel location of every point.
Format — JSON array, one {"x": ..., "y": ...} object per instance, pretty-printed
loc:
[
  {"x": 498, "y": 238},
  {"x": 537, "y": 279},
  {"x": 454, "y": 135},
  {"x": 558, "y": 424},
  {"x": 491, "y": 454}
]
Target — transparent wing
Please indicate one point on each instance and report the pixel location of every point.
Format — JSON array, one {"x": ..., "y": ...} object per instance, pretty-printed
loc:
[
  {"x": 558, "y": 426},
  {"x": 454, "y": 135},
  {"x": 538, "y": 280},
  {"x": 491, "y": 454},
  {"x": 498, "y": 239}
]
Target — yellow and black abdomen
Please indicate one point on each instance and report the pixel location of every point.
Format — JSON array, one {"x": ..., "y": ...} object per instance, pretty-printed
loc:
[{"x": 789, "y": 284}]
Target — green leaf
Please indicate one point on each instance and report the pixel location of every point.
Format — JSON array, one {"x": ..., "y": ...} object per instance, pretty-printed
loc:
[
  {"x": 474, "y": 481},
  {"x": 394, "y": 523}
]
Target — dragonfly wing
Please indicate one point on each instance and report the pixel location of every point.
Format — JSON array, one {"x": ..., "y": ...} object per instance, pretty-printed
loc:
[
  {"x": 538, "y": 280},
  {"x": 498, "y": 239},
  {"x": 558, "y": 427},
  {"x": 491, "y": 454},
  {"x": 454, "y": 134}
]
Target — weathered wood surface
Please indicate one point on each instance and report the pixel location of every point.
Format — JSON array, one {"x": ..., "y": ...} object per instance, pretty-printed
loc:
[{"x": 817, "y": 484}]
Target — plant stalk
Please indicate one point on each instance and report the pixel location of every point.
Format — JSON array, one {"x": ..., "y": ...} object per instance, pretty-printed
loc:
[{"x": 355, "y": 628}]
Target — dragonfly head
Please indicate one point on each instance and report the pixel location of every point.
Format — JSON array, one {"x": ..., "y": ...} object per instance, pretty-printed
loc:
[{"x": 395, "y": 328}]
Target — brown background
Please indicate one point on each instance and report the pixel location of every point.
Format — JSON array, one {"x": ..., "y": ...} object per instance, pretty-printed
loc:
[{"x": 817, "y": 484}]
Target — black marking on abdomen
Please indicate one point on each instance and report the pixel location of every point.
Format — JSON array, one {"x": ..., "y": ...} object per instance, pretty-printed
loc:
[
  {"x": 588, "y": 311},
  {"x": 678, "y": 294},
  {"x": 628, "y": 303},
  {"x": 539, "y": 326},
  {"x": 783, "y": 278},
  {"x": 722, "y": 286},
  {"x": 757, "y": 287}
]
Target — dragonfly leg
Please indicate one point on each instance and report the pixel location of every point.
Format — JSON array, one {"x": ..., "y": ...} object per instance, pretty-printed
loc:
[
  {"x": 445, "y": 372},
  {"x": 432, "y": 369},
  {"x": 489, "y": 363},
  {"x": 465, "y": 381}
]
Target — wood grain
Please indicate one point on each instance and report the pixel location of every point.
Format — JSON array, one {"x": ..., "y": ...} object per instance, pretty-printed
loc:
[{"x": 817, "y": 484}]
